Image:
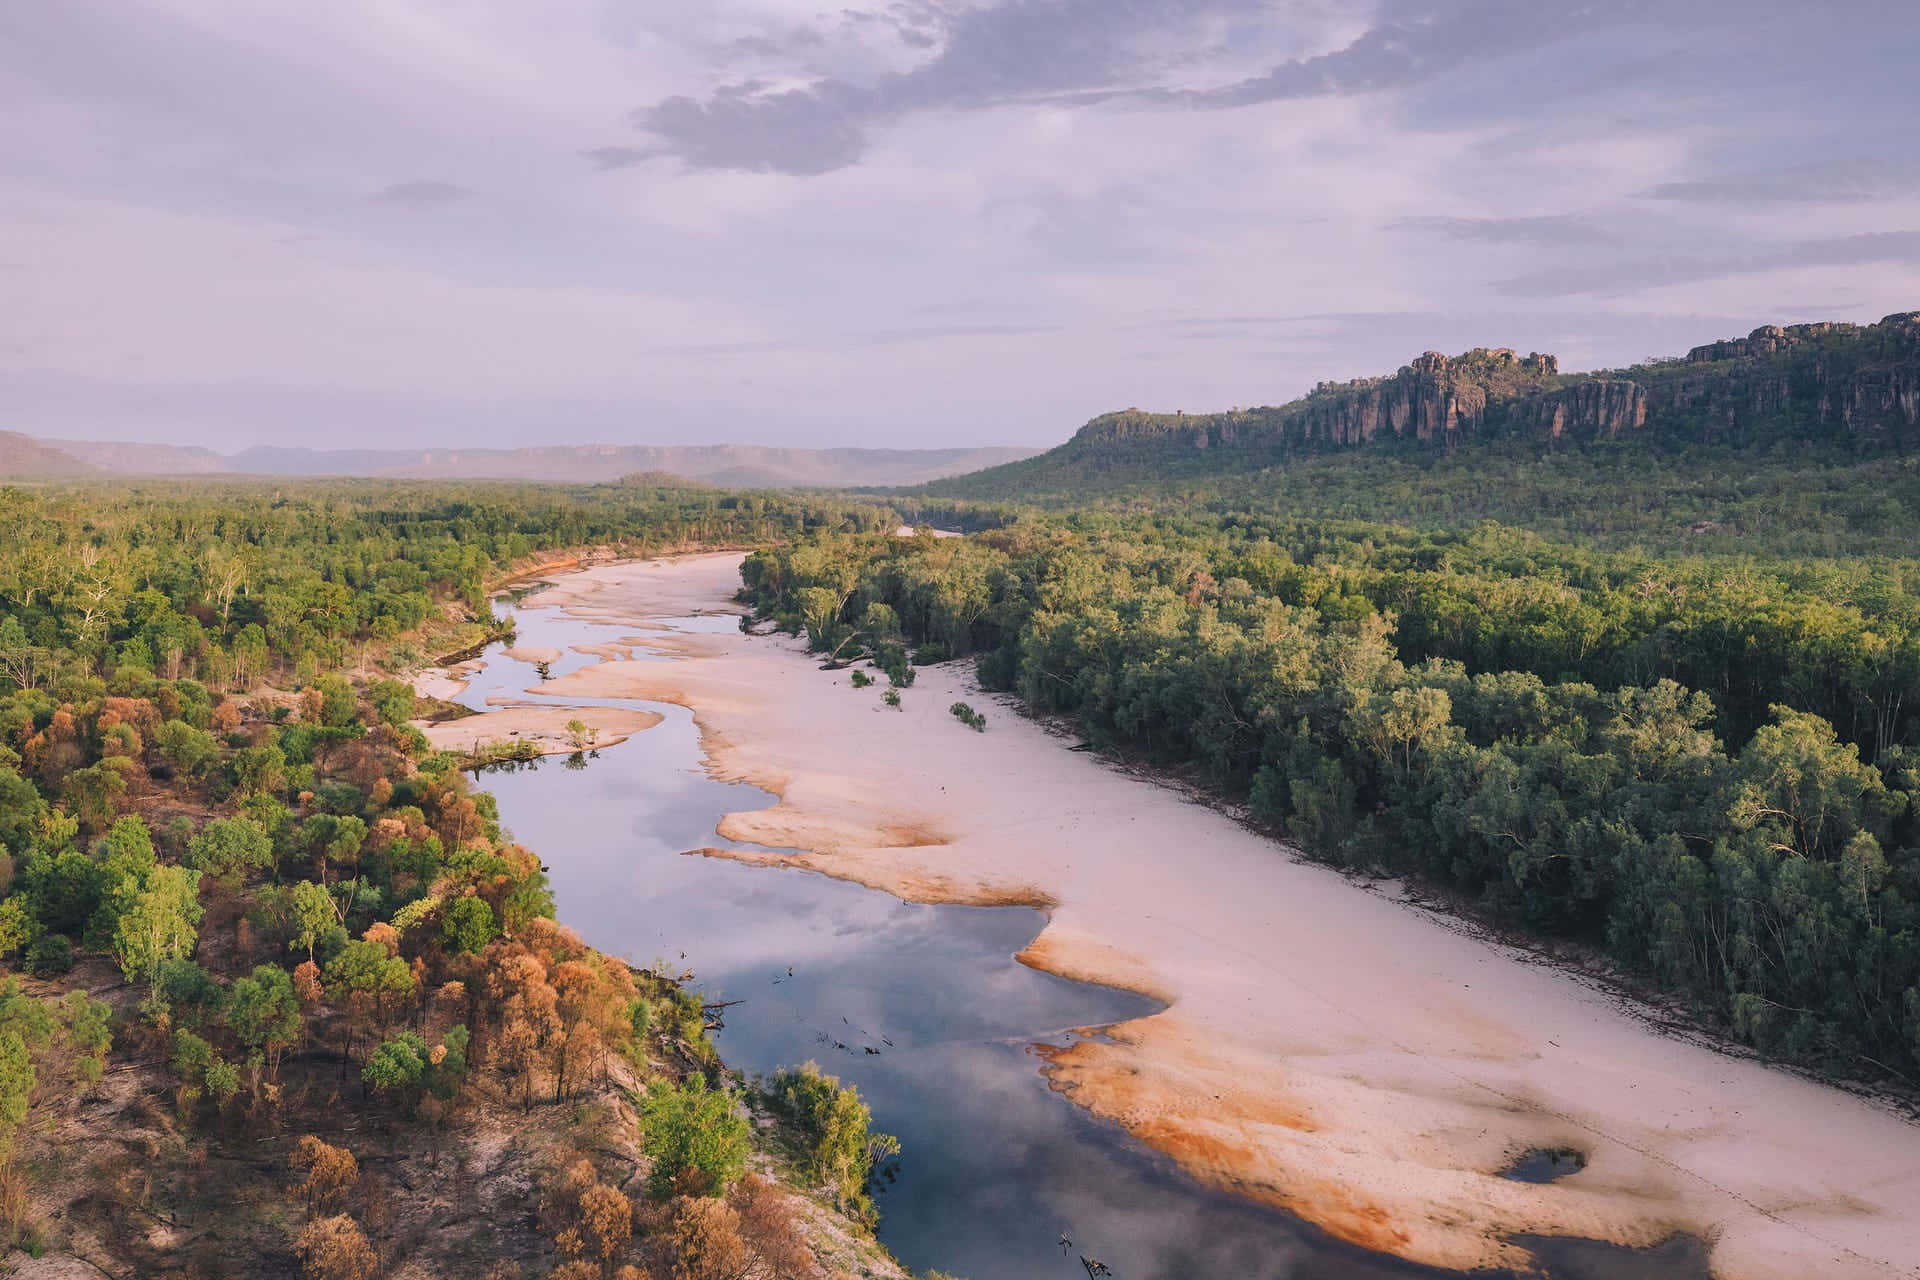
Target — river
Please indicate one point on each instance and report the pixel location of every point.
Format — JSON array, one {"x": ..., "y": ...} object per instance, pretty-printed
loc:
[{"x": 923, "y": 1008}]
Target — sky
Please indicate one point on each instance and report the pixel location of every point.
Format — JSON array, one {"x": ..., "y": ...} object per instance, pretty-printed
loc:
[{"x": 910, "y": 224}]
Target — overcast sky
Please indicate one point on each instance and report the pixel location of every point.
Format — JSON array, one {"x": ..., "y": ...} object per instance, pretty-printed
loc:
[{"x": 370, "y": 222}]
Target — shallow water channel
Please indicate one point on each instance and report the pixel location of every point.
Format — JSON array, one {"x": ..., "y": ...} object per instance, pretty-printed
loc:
[{"x": 923, "y": 1008}]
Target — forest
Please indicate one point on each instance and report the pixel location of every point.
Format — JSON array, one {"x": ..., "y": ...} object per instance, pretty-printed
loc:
[
  {"x": 1700, "y": 765},
  {"x": 244, "y": 905},
  {"x": 274, "y": 975}
]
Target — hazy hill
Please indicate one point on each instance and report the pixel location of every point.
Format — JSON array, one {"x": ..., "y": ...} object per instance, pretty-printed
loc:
[
  {"x": 24, "y": 458},
  {"x": 136, "y": 458},
  {"x": 1856, "y": 387},
  {"x": 744, "y": 466}
]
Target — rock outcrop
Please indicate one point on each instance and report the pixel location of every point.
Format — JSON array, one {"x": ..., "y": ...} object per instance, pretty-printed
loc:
[
  {"x": 1854, "y": 383},
  {"x": 1857, "y": 383}
]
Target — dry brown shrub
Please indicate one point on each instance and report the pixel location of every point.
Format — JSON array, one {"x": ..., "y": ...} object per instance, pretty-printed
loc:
[
  {"x": 384, "y": 934},
  {"x": 335, "y": 1249},
  {"x": 770, "y": 1229},
  {"x": 15, "y": 1207},
  {"x": 706, "y": 1240},
  {"x": 578, "y": 1269},
  {"x": 330, "y": 1172},
  {"x": 606, "y": 1219}
]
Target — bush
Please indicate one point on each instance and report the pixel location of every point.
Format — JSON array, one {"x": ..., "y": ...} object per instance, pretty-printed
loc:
[
  {"x": 968, "y": 716},
  {"x": 49, "y": 956},
  {"x": 834, "y": 1125},
  {"x": 468, "y": 926},
  {"x": 695, "y": 1136}
]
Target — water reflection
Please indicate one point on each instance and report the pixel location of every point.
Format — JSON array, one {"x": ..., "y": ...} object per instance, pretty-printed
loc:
[{"x": 922, "y": 1007}]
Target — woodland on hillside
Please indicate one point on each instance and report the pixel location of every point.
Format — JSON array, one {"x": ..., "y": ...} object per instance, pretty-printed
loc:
[{"x": 279, "y": 995}]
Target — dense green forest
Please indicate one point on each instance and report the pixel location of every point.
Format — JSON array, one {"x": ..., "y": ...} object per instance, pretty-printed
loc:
[
  {"x": 317, "y": 960},
  {"x": 1701, "y": 500},
  {"x": 1702, "y": 764}
]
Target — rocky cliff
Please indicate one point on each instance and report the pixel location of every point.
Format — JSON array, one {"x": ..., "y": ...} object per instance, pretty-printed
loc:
[{"x": 1858, "y": 384}]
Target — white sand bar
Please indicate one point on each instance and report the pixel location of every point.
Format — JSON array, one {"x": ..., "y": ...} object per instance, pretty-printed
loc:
[{"x": 1326, "y": 1048}]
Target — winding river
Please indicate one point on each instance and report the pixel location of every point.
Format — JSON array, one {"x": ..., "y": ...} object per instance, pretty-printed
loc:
[{"x": 922, "y": 1007}]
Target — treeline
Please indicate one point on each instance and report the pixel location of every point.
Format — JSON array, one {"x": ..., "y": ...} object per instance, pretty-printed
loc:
[
  {"x": 233, "y": 584},
  {"x": 1636, "y": 752},
  {"x": 1777, "y": 501}
]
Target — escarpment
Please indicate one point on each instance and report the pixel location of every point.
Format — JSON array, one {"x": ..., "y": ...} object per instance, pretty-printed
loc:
[{"x": 1857, "y": 386}]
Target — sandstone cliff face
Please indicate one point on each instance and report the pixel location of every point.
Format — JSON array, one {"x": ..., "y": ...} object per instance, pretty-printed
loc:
[
  {"x": 1857, "y": 382},
  {"x": 1810, "y": 381},
  {"x": 1434, "y": 398},
  {"x": 1597, "y": 410},
  {"x": 1767, "y": 340}
]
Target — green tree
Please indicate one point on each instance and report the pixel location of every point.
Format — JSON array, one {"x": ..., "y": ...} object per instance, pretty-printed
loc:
[
  {"x": 468, "y": 926},
  {"x": 162, "y": 924},
  {"x": 367, "y": 982},
  {"x": 397, "y": 1064},
  {"x": 836, "y": 1126},
  {"x": 258, "y": 769},
  {"x": 228, "y": 848},
  {"x": 188, "y": 750},
  {"x": 312, "y": 910},
  {"x": 264, "y": 1014},
  {"x": 696, "y": 1137}
]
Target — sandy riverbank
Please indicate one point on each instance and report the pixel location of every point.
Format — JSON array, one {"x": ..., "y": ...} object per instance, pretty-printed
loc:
[
  {"x": 545, "y": 727},
  {"x": 1327, "y": 1048}
]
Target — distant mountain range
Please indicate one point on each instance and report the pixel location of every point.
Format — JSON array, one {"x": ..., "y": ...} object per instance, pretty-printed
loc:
[
  {"x": 724, "y": 465},
  {"x": 1854, "y": 387},
  {"x": 24, "y": 458}
]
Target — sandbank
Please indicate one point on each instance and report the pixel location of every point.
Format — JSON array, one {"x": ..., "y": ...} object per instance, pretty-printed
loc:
[
  {"x": 1332, "y": 1050},
  {"x": 545, "y": 727}
]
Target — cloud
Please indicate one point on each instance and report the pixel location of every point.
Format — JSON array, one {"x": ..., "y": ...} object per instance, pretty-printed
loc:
[
  {"x": 1014, "y": 51},
  {"x": 609, "y": 158},
  {"x": 1418, "y": 42},
  {"x": 1553, "y": 229},
  {"x": 802, "y": 131},
  {"x": 1843, "y": 182},
  {"x": 1654, "y": 273},
  {"x": 1035, "y": 209},
  {"x": 423, "y": 194},
  {"x": 1091, "y": 52}
]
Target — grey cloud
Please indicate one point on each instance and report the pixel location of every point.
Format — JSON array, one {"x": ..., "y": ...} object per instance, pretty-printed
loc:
[
  {"x": 1014, "y": 51},
  {"x": 775, "y": 46},
  {"x": 1085, "y": 53},
  {"x": 1556, "y": 229},
  {"x": 803, "y": 131},
  {"x": 620, "y": 157},
  {"x": 1853, "y": 181},
  {"x": 423, "y": 194},
  {"x": 1613, "y": 279},
  {"x": 1416, "y": 42}
]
